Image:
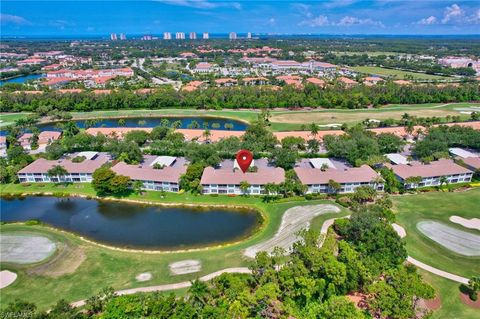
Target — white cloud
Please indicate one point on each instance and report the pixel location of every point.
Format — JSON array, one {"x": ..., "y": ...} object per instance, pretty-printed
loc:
[
  {"x": 474, "y": 18},
  {"x": 428, "y": 21},
  {"x": 338, "y": 3},
  {"x": 61, "y": 24},
  {"x": 271, "y": 21},
  {"x": 304, "y": 9},
  {"x": 452, "y": 13},
  {"x": 13, "y": 19},
  {"x": 349, "y": 21},
  {"x": 319, "y": 21},
  {"x": 202, "y": 4}
]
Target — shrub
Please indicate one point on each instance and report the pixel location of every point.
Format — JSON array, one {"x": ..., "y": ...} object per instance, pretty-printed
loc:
[{"x": 33, "y": 222}]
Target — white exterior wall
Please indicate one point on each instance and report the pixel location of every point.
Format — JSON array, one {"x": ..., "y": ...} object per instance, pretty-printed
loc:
[
  {"x": 346, "y": 187},
  {"x": 44, "y": 178},
  {"x": 232, "y": 189},
  {"x": 435, "y": 181},
  {"x": 159, "y": 186}
]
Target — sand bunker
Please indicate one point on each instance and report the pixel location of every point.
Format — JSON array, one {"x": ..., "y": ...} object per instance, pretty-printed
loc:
[
  {"x": 294, "y": 220},
  {"x": 473, "y": 223},
  {"x": 185, "y": 267},
  {"x": 458, "y": 241},
  {"x": 25, "y": 249},
  {"x": 399, "y": 230},
  {"x": 144, "y": 276},
  {"x": 7, "y": 278}
]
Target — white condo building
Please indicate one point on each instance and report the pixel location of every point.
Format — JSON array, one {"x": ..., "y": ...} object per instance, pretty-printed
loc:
[
  {"x": 167, "y": 36},
  {"x": 206, "y": 36}
]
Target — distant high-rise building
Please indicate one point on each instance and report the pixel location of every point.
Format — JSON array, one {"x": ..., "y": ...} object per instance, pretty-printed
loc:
[
  {"x": 167, "y": 36},
  {"x": 113, "y": 36},
  {"x": 205, "y": 35},
  {"x": 180, "y": 35},
  {"x": 123, "y": 36},
  {"x": 232, "y": 36},
  {"x": 249, "y": 35},
  {"x": 147, "y": 38},
  {"x": 193, "y": 36}
]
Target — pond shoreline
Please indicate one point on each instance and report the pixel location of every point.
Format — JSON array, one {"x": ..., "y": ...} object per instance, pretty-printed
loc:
[
  {"x": 255, "y": 231},
  {"x": 150, "y": 116}
]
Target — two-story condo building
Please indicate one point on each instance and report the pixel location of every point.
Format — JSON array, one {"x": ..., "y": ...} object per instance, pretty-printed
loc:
[
  {"x": 155, "y": 172},
  {"x": 319, "y": 175},
  {"x": 432, "y": 174},
  {"x": 227, "y": 177},
  {"x": 78, "y": 172}
]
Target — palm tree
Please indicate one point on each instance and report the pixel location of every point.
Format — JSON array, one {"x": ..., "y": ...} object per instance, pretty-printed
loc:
[
  {"x": 121, "y": 122},
  {"x": 244, "y": 186},
  {"x": 334, "y": 186},
  {"x": 206, "y": 135},
  {"x": 165, "y": 122},
  {"x": 271, "y": 189},
  {"x": 177, "y": 124},
  {"x": 314, "y": 130},
  {"x": 198, "y": 293},
  {"x": 443, "y": 180}
]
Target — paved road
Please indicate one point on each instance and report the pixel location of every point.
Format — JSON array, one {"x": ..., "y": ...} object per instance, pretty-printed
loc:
[{"x": 244, "y": 270}]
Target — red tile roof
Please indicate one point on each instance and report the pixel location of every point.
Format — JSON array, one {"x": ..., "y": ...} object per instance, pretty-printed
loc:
[
  {"x": 42, "y": 165},
  {"x": 472, "y": 162},
  {"x": 310, "y": 176},
  {"x": 147, "y": 173},
  {"x": 316, "y": 81},
  {"x": 434, "y": 169},
  {"x": 226, "y": 176}
]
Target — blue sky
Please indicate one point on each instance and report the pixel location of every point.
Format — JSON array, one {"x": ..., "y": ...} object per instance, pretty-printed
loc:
[{"x": 82, "y": 17}]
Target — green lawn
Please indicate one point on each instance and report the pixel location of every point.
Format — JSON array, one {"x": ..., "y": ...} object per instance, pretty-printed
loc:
[
  {"x": 10, "y": 118},
  {"x": 398, "y": 74},
  {"x": 107, "y": 267},
  {"x": 438, "y": 206},
  {"x": 448, "y": 291}
]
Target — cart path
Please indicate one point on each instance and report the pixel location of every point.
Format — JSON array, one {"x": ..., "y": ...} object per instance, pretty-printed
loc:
[
  {"x": 178, "y": 285},
  {"x": 244, "y": 270}
]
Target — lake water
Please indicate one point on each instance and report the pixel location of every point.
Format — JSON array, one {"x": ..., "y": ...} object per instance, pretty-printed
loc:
[
  {"x": 134, "y": 225},
  {"x": 21, "y": 79},
  {"x": 156, "y": 121}
]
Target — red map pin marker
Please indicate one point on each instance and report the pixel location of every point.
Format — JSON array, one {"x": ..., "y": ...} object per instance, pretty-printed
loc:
[{"x": 244, "y": 159}]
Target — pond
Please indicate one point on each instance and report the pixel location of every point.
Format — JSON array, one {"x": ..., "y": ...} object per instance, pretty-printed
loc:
[
  {"x": 212, "y": 122},
  {"x": 21, "y": 79},
  {"x": 135, "y": 226}
]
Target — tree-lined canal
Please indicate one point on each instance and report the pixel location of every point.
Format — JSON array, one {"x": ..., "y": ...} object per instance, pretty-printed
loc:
[{"x": 135, "y": 226}]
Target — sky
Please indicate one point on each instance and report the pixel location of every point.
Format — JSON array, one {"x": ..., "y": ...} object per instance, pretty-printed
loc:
[{"x": 84, "y": 18}]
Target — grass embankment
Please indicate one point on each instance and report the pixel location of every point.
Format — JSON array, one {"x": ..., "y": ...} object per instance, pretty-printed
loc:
[
  {"x": 438, "y": 206},
  {"x": 399, "y": 74},
  {"x": 106, "y": 267},
  {"x": 449, "y": 292}
]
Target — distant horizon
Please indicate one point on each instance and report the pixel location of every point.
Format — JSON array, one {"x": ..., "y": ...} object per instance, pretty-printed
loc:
[{"x": 241, "y": 36}]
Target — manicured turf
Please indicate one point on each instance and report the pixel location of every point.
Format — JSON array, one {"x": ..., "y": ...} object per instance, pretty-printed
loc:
[
  {"x": 106, "y": 267},
  {"x": 448, "y": 291},
  {"x": 438, "y": 206},
  {"x": 398, "y": 74},
  {"x": 10, "y": 118}
]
